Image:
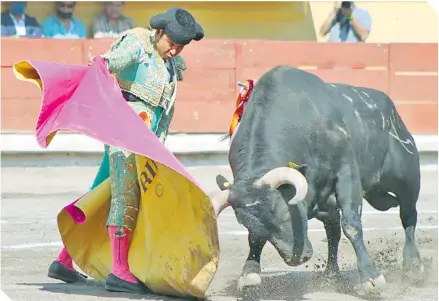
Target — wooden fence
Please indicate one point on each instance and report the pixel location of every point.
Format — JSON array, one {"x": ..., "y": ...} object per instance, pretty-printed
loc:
[{"x": 205, "y": 104}]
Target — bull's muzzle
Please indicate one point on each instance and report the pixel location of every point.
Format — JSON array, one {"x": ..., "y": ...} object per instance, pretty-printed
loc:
[{"x": 286, "y": 175}]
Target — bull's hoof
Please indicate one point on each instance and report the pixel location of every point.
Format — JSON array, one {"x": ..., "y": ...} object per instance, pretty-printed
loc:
[
  {"x": 249, "y": 286},
  {"x": 332, "y": 275},
  {"x": 414, "y": 274},
  {"x": 374, "y": 286}
]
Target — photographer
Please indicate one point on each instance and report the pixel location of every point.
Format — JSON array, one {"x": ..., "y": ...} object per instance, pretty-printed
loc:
[{"x": 347, "y": 23}]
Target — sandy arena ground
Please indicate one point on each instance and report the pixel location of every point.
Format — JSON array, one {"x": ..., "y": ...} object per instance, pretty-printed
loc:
[{"x": 32, "y": 197}]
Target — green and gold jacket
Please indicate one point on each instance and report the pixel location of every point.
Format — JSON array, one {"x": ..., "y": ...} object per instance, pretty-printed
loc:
[{"x": 140, "y": 71}]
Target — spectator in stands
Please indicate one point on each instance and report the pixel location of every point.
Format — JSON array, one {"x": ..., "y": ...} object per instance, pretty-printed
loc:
[
  {"x": 111, "y": 23},
  {"x": 347, "y": 23},
  {"x": 15, "y": 22},
  {"x": 62, "y": 25}
]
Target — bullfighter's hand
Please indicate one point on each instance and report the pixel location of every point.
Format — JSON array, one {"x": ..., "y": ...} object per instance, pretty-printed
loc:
[{"x": 91, "y": 60}]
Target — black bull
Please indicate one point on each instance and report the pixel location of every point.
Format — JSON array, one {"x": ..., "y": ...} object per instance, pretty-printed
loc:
[{"x": 348, "y": 143}]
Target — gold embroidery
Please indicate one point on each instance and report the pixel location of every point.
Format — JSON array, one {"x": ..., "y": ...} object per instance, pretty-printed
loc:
[
  {"x": 145, "y": 37},
  {"x": 156, "y": 90}
]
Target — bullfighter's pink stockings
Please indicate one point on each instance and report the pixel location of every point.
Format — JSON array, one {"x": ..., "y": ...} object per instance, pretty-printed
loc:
[
  {"x": 65, "y": 259},
  {"x": 119, "y": 249}
]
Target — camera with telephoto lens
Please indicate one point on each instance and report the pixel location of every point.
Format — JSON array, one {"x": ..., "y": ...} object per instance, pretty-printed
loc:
[{"x": 346, "y": 4}]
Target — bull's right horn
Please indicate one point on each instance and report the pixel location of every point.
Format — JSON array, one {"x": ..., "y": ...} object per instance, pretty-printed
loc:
[
  {"x": 220, "y": 201},
  {"x": 286, "y": 175}
]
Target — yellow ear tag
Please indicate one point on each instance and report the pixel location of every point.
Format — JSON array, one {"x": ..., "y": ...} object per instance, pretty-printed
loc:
[
  {"x": 226, "y": 184},
  {"x": 292, "y": 165}
]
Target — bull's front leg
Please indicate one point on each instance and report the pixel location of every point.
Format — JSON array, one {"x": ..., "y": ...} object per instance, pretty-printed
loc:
[
  {"x": 333, "y": 235},
  {"x": 250, "y": 279},
  {"x": 349, "y": 197}
]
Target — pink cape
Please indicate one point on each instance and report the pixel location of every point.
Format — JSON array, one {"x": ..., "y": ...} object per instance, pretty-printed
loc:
[{"x": 88, "y": 100}]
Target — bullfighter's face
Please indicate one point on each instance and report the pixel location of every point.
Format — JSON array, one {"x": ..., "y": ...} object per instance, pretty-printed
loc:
[{"x": 165, "y": 46}]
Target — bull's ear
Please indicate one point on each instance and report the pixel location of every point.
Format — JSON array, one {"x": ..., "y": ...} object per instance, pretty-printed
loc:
[
  {"x": 222, "y": 182},
  {"x": 300, "y": 167}
]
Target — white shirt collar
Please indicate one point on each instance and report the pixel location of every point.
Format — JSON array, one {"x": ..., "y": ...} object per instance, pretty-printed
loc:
[{"x": 23, "y": 18}]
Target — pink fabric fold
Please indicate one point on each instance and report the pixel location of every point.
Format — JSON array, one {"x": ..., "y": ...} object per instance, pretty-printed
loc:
[
  {"x": 78, "y": 216},
  {"x": 87, "y": 100}
]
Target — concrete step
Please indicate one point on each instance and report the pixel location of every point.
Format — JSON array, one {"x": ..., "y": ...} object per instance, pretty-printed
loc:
[{"x": 67, "y": 149}]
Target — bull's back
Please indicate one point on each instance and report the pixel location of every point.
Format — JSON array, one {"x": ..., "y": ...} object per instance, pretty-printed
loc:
[
  {"x": 370, "y": 116},
  {"x": 290, "y": 116}
]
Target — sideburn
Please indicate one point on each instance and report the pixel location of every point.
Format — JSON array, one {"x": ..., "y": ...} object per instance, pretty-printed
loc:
[{"x": 158, "y": 36}]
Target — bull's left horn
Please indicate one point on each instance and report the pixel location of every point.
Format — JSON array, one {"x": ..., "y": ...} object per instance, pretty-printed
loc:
[
  {"x": 286, "y": 175},
  {"x": 220, "y": 201}
]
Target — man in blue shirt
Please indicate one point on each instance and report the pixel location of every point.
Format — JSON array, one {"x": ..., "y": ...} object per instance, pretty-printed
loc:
[
  {"x": 15, "y": 22},
  {"x": 347, "y": 23},
  {"x": 63, "y": 25}
]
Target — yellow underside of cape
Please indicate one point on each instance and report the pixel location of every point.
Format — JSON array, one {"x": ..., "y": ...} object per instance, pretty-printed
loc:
[{"x": 174, "y": 249}]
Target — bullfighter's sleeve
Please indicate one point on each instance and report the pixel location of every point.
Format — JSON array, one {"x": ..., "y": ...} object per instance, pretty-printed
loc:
[{"x": 125, "y": 51}]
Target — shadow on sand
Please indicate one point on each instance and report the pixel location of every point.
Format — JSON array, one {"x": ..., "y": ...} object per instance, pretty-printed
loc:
[
  {"x": 95, "y": 288},
  {"x": 295, "y": 285},
  {"x": 287, "y": 286}
]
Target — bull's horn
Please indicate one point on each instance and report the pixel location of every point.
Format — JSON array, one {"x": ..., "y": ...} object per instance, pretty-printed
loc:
[
  {"x": 220, "y": 201},
  {"x": 286, "y": 175}
]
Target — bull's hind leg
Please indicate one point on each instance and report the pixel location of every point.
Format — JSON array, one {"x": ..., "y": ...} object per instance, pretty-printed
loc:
[
  {"x": 349, "y": 197},
  {"x": 406, "y": 199},
  {"x": 407, "y": 196},
  {"x": 412, "y": 263},
  {"x": 401, "y": 175},
  {"x": 250, "y": 280}
]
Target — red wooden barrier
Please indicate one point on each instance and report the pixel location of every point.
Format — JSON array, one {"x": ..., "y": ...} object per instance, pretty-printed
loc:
[
  {"x": 407, "y": 72},
  {"x": 413, "y": 84}
]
